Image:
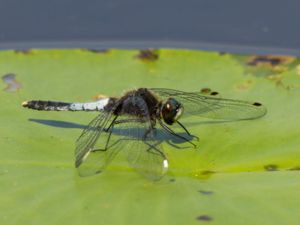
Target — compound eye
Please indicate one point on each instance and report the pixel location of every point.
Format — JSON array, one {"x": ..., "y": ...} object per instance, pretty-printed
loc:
[{"x": 170, "y": 110}]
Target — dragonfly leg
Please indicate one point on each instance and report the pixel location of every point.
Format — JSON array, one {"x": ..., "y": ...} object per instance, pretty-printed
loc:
[
  {"x": 128, "y": 120},
  {"x": 180, "y": 124},
  {"x": 109, "y": 129},
  {"x": 111, "y": 124},
  {"x": 148, "y": 131},
  {"x": 186, "y": 130},
  {"x": 112, "y": 127},
  {"x": 153, "y": 147},
  {"x": 169, "y": 130}
]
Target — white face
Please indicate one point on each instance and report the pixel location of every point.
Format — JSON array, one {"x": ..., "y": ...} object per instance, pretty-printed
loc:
[{"x": 179, "y": 112}]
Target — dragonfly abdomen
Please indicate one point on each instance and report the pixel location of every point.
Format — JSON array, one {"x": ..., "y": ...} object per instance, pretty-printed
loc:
[{"x": 65, "y": 106}]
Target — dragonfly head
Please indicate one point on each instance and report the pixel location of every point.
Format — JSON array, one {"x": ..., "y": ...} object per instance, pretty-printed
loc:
[{"x": 171, "y": 110}]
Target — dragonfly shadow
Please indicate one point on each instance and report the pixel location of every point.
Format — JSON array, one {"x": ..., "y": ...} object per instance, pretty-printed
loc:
[
  {"x": 161, "y": 135},
  {"x": 71, "y": 125},
  {"x": 59, "y": 123}
]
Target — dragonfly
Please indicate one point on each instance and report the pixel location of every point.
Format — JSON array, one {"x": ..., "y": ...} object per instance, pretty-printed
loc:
[{"x": 131, "y": 122}]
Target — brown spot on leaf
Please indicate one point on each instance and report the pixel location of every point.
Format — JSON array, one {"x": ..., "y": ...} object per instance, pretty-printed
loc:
[
  {"x": 204, "y": 218},
  {"x": 269, "y": 60},
  {"x": 12, "y": 84},
  {"x": 149, "y": 55},
  {"x": 295, "y": 168},
  {"x": 271, "y": 167},
  {"x": 23, "y": 51},
  {"x": 208, "y": 91},
  {"x": 205, "y": 91},
  {"x": 222, "y": 53},
  {"x": 206, "y": 192},
  {"x": 96, "y": 50}
]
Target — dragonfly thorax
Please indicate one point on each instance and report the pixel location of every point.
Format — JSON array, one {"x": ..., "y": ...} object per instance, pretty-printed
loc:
[{"x": 171, "y": 110}]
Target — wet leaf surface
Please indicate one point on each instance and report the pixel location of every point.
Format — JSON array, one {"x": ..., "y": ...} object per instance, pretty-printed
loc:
[{"x": 244, "y": 172}]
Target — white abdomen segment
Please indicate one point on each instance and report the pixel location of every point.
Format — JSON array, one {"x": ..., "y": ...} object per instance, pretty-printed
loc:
[{"x": 90, "y": 106}]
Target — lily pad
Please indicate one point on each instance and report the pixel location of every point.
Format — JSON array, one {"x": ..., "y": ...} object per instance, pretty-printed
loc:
[{"x": 240, "y": 172}]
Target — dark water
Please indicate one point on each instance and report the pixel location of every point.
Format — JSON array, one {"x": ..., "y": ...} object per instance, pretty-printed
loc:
[{"x": 236, "y": 26}]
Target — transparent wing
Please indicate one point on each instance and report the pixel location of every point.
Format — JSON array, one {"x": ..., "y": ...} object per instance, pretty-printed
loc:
[
  {"x": 90, "y": 154},
  {"x": 139, "y": 142},
  {"x": 142, "y": 149},
  {"x": 195, "y": 103}
]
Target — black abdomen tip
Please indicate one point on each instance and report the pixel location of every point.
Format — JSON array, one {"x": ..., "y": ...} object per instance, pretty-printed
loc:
[
  {"x": 38, "y": 105},
  {"x": 46, "y": 105},
  {"x": 25, "y": 104}
]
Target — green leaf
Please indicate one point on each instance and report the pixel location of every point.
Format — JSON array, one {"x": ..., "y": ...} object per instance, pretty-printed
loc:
[{"x": 242, "y": 172}]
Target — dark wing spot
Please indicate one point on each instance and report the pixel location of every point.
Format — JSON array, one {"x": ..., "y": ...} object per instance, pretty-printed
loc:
[
  {"x": 204, "y": 218},
  {"x": 271, "y": 167},
  {"x": 148, "y": 55},
  {"x": 172, "y": 180},
  {"x": 214, "y": 93},
  {"x": 206, "y": 192},
  {"x": 257, "y": 104},
  {"x": 12, "y": 84}
]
